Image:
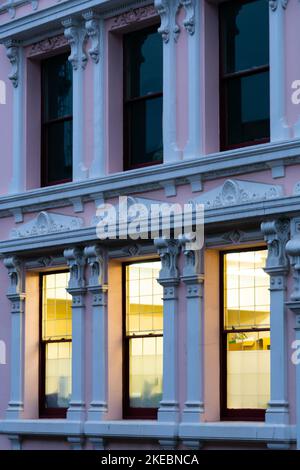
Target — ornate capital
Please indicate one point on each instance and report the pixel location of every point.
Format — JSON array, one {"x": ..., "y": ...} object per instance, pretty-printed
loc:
[
  {"x": 189, "y": 22},
  {"x": 274, "y": 4},
  {"x": 92, "y": 26},
  {"x": 97, "y": 261},
  {"x": 167, "y": 10},
  {"x": 16, "y": 276},
  {"x": 76, "y": 262},
  {"x": 168, "y": 251},
  {"x": 293, "y": 250},
  {"x": 76, "y": 36},
  {"x": 13, "y": 55},
  {"x": 276, "y": 234},
  {"x": 193, "y": 261}
]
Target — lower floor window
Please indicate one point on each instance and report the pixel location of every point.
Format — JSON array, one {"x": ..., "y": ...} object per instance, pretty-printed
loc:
[
  {"x": 143, "y": 340},
  {"x": 245, "y": 345},
  {"x": 56, "y": 344}
]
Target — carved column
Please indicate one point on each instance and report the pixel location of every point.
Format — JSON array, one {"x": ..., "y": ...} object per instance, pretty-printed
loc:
[
  {"x": 76, "y": 262},
  {"x": 15, "y": 54},
  {"x": 293, "y": 250},
  {"x": 192, "y": 24},
  {"x": 97, "y": 286},
  {"x": 278, "y": 126},
  {"x": 169, "y": 279},
  {"x": 95, "y": 30},
  {"x": 76, "y": 36},
  {"x": 17, "y": 297},
  {"x": 167, "y": 9},
  {"x": 193, "y": 278},
  {"x": 276, "y": 234}
]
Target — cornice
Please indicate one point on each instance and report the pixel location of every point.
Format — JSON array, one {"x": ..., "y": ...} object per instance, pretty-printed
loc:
[{"x": 208, "y": 167}]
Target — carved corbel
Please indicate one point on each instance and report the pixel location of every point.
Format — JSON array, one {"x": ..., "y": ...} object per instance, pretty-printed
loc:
[
  {"x": 189, "y": 22},
  {"x": 293, "y": 250},
  {"x": 274, "y": 4},
  {"x": 13, "y": 55},
  {"x": 92, "y": 27},
  {"x": 97, "y": 261},
  {"x": 168, "y": 251},
  {"x": 276, "y": 234},
  {"x": 76, "y": 36},
  {"x": 76, "y": 262},
  {"x": 167, "y": 10}
]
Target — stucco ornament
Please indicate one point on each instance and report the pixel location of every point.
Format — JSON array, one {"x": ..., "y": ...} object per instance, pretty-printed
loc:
[
  {"x": 168, "y": 251},
  {"x": 77, "y": 37},
  {"x": 189, "y": 21},
  {"x": 46, "y": 223},
  {"x": 234, "y": 192},
  {"x": 97, "y": 260},
  {"x": 274, "y": 4},
  {"x": 167, "y": 10},
  {"x": 13, "y": 55},
  {"x": 193, "y": 259},
  {"x": 76, "y": 261},
  {"x": 15, "y": 274},
  {"x": 276, "y": 234},
  {"x": 92, "y": 27},
  {"x": 48, "y": 45},
  {"x": 132, "y": 16},
  {"x": 293, "y": 250}
]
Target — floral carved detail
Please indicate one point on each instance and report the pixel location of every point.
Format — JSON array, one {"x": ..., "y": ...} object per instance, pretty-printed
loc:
[
  {"x": 46, "y": 223},
  {"x": 276, "y": 234},
  {"x": 133, "y": 16},
  {"x": 234, "y": 192},
  {"x": 189, "y": 22},
  {"x": 15, "y": 274},
  {"x": 77, "y": 37},
  {"x": 274, "y": 4},
  {"x": 47, "y": 45},
  {"x": 76, "y": 262},
  {"x": 167, "y": 11},
  {"x": 97, "y": 260},
  {"x": 12, "y": 53},
  {"x": 168, "y": 251}
]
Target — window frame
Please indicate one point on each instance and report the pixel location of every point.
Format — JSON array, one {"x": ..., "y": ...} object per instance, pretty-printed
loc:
[
  {"x": 58, "y": 413},
  {"x": 127, "y": 102},
  {"x": 128, "y": 411},
  {"x": 224, "y": 78},
  {"x": 45, "y": 124},
  {"x": 230, "y": 414}
]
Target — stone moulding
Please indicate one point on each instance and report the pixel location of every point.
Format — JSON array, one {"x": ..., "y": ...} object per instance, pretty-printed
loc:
[
  {"x": 46, "y": 223},
  {"x": 133, "y": 16},
  {"x": 234, "y": 192},
  {"x": 48, "y": 45}
]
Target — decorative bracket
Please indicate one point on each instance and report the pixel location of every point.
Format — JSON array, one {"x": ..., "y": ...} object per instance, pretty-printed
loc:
[
  {"x": 168, "y": 251},
  {"x": 92, "y": 27},
  {"x": 167, "y": 10},
  {"x": 76, "y": 36},
  {"x": 274, "y": 4},
  {"x": 293, "y": 250},
  {"x": 76, "y": 262},
  {"x": 97, "y": 261},
  {"x": 189, "y": 22},
  {"x": 15, "y": 274},
  {"x": 13, "y": 55},
  {"x": 276, "y": 234}
]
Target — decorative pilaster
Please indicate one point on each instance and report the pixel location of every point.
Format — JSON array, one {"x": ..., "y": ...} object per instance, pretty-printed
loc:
[
  {"x": 76, "y": 36},
  {"x": 276, "y": 234},
  {"x": 278, "y": 125},
  {"x": 17, "y": 297},
  {"x": 15, "y": 55},
  {"x": 192, "y": 24},
  {"x": 293, "y": 250},
  {"x": 76, "y": 262},
  {"x": 169, "y": 279},
  {"x": 169, "y": 29},
  {"x": 95, "y": 30},
  {"x": 97, "y": 286},
  {"x": 193, "y": 278}
]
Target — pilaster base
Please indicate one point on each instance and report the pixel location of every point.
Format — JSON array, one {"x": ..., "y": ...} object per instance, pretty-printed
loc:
[
  {"x": 97, "y": 411},
  {"x": 193, "y": 412},
  {"x": 277, "y": 413},
  {"x": 14, "y": 411},
  {"x": 168, "y": 444},
  {"x": 168, "y": 412},
  {"x": 193, "y": 445},
  {"x": 278, "y": 445},
  {"x": 15, "y": 442},
  {"x": 76, "y": 412},
  {"x": 76, "y": 443},
  {"x": 98, "y": 443}
]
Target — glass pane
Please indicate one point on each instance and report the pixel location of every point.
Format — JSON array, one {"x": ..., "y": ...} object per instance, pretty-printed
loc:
[
  {"x": 242, "y": 48},
  {"x": 58, "y": 374},
  {"x": 144, "y": 63},
  {"x": 246, "y": 290},
  {"x": 248, "y": 108},
  {"x": 57, "y": 307},
  {"x": 57, "y": 87},
  {"x": 144, "y": 305},
  {"x": 146, "y": 131},
  {"x": 248, "y": 370},
  {"x": 59, "y": 150},
  {"x": 145, "y": 372}
]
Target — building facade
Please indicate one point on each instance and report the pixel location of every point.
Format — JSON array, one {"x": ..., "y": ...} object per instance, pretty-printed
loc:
[{"x": 136, "y": 341}]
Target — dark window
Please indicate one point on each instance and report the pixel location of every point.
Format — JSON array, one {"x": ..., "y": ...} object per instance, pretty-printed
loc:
[
  {"x": 244, "y": 64},
  {"x": 56, "y": 120},
  {"x": 143, "y": 98},
  {"x": 143, "y": 334},
  {"x": 55, "y": 345},
  {"x": 245, "y": 335}
]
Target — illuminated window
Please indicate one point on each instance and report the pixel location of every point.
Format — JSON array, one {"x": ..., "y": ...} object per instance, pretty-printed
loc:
[
  {"x": 143, "y": 340},
  {"x": 245, "y": 335},
  {"x": 56, "y": 344}
]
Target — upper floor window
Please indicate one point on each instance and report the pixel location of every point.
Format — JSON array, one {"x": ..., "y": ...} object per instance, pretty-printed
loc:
[
  {"x": 244, "y": 66},
  {"x": 245, "y": 356},
  {"x": 143, "y": 102},
  {"x": 55, "y": 345},
  {"x": 143, "y": 340},
  {"x": 56, "y": 120}
]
